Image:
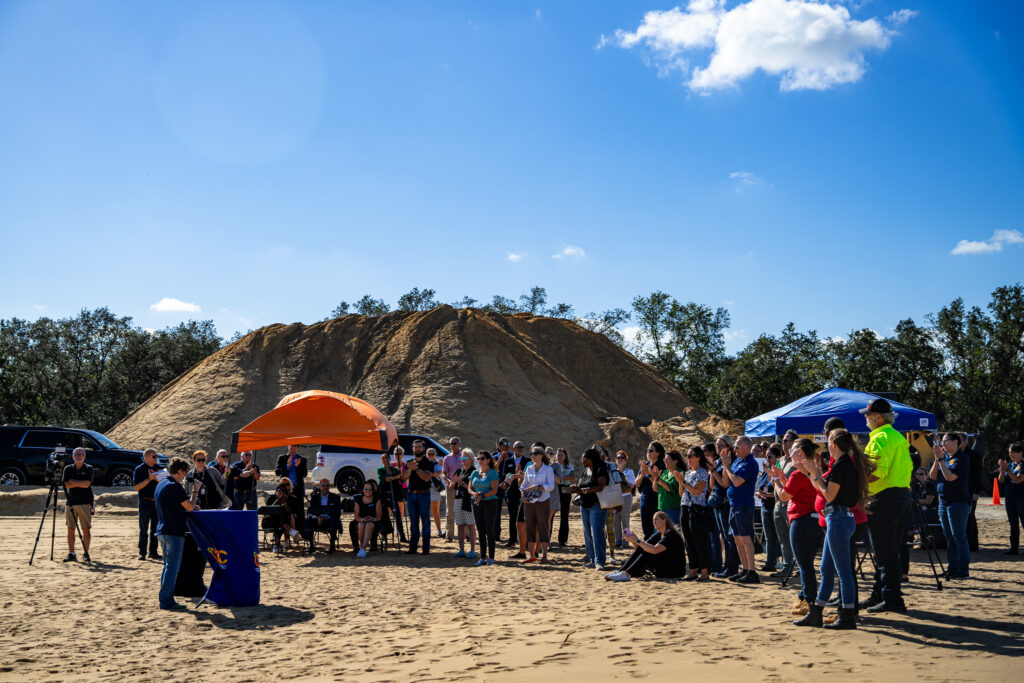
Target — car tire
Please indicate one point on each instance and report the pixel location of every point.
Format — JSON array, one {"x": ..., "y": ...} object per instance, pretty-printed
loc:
[
  {"x": 12, "y": 476},
  {"x": 349, "y": 481},
  {"x": 120, "y": 478}
]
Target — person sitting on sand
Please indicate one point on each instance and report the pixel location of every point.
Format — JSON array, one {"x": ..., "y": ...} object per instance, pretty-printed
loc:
[{"x": 662, "y": 556}]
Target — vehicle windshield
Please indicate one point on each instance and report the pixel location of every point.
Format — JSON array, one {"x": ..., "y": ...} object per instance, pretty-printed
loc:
[{"x": 104, "y": 441}]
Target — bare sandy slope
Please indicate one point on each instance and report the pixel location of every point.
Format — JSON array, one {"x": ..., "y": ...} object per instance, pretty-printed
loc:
[{"x": 395, "y": 617}]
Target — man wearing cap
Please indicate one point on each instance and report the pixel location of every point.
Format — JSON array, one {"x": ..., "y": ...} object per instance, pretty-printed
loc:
[
  {"x": 888, "y": 505},
  {"x": 449, "y": 466}
]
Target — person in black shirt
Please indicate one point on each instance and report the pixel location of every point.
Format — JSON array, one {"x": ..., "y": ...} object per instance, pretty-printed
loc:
[
  {"x": 663, "y": 555},
  {"x": 293, "y": 466},
  {"x": 594, "y": 478},
  {"x": 242, "y": 479},
  {"x": 77, "y": 479},
  {"x": 420, "y": 475},
  {"x": 145, "y": 481},
  {"x": 976, "y": 477},
  {"x": 843, "y": 488},
  {"x": 1011, "y": 476},
  {"x": 208, "y": 496},
  {"x": 172, "y": 504},
  {"x": 508, "y": 464}
]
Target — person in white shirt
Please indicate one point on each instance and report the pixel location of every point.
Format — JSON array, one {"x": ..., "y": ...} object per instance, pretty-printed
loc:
[
  {"x": 628, "y": 483},
  {"x": 538, "y": 483}
]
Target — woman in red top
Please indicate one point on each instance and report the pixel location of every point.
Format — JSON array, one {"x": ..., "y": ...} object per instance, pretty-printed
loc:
[{"x": 804, "y": 532}]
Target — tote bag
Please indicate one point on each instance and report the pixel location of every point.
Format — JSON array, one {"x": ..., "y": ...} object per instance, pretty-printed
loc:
[{"x": 611, "y": 495}]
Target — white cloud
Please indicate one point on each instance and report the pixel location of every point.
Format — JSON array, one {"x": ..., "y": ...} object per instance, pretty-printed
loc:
[
  {"x": 172, "y": 305},
  {"x": 539, "y": 15},
  {"x": 729, "y": 302},
  {"x": 516, "y": 256},
  {"x": 808, "y": 45},
  {"x": 745, "y": 178},
  {"x": 149, "y": 330},
  {"x": 40, "y": 307},
  {"x": 570, "y": 252},
  {"x": 735, "y": 335},
  {"x": 990, "y": 246}
]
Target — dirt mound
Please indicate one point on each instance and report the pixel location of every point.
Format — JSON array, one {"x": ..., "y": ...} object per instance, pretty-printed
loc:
[
  {"x": 693, "y": 428},
  {"x": 440, "y": 372}
]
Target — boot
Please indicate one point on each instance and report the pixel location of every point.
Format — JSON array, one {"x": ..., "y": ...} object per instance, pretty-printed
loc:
[
  {"x": 800, "y": 608},
  {"x": 871, "y": 600},
  {"x": 847, "y": 620},
  {"x": 812, "y": 618}
]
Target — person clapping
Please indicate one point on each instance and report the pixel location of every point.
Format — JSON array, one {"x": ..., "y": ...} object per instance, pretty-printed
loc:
[{"x": 663, "y": 555}]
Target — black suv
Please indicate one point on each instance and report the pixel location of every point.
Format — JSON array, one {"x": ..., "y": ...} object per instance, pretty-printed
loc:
[{"x": 24, "y": 452}]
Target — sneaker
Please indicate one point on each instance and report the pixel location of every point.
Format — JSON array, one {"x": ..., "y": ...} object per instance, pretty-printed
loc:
[
  {"x": 295, "y": 534},
  {"x": 621, "y": 576},
  {"x": 589, "y": 564},
  {"x": 461, "y": 553},
  {"x": 599, "y": 567},
  {"x": 610, "y": 577},
  {"x": 156, "y": 556},
  {"x": 778, "y": 574},
  {"x": 517, "y": 556},
  {"x": 276, "y": 549},
  {"x": 767, "y": 568},
  {"x": 361, "y": 553},
  {"x": 738, "y": 575},
  {"x": 724, "y": 574},
  {"x": 85, "y": 556},
  {"x": 749, "y": 577},
  {"x": 479, "y": 563},
  {"x": 71, "y": 558},
  {"x": 490, "y": 561},
  {"x": 470, "y": 555},
  {"x": 898, "y": 607},
  {"x": 142, "y": 557}
]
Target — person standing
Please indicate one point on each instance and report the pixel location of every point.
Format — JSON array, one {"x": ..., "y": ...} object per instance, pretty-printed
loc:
[
  {"x": 628, "y": 486},
  {"x": 436, "y": 488},
  {"x": 538, "y": 483},
  {"x": 483, "y": 483},
  {"x": 781, "y": 516},
  {"x": 595, "y": 477},
  {"x": 218, "y": 473},
  {"x": 645, "y": 485},
  {"x": 242, "y": 479},
  {"x": 1011, "y": 476},
  {"x": 512, "y": 466},
  {"x": 669, "y": 486},
  {"x": 976, "y": 487},
  {"x": 697, "y": 519},
  {"x": 145, "y": 480},
  {"x": 419, "y": 475},
  {"x": 566, "y": 479},
  {"x": 201, "y": 476},
  {"x": 799, "y": 495},
  {"x": 293, "y": 466},
  {"x": 392, "y": 489},
  {"x": 742, "y": 475},
  {"x": 765, "y": 491},
  {"x": 888, "y": 506},
  {"x": 503, "y": 445},
  {"x": 465, "y": 522},
  {"x": 952, "y": 469},
  {"x": 450, "y": 464},
  {"x": 172, "y": 504},
  {"x": 719, "y": 500},
  {"x": 77, "y": 478}
]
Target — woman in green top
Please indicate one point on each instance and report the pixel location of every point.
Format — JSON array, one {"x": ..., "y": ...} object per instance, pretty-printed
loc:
[{"x": 670, "y": 487}]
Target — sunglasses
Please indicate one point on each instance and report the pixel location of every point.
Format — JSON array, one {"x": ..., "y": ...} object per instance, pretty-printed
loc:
[{"x": 199, "y": 460}]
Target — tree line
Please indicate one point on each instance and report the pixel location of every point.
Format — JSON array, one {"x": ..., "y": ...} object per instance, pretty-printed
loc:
[{"x": 965, "y": 364}]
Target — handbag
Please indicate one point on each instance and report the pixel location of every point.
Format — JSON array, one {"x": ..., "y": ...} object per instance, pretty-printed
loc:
[{"x": 611, "y": 495}]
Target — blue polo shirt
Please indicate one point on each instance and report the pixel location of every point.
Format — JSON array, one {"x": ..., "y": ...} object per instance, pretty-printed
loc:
[
  {"x": 1014, "y": 490},
  {"x": 141, "y": 474},
  {"x": 743, "y": 496},
  {"x": 958, "y": 491},
  {"x": 169, "y": 513}
]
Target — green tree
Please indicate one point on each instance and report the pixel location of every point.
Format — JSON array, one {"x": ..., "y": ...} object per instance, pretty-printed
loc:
[
  {"x": 370, "y": 306},
  {"x": 417, "y": 300},
  {"x": 607, "y": 323},
  {"x": 339, "y": 310},
  {"x": 501, "y": 304}
]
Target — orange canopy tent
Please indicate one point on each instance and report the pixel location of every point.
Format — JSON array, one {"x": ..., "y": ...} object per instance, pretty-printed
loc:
[{"x": 317, "y": 417}]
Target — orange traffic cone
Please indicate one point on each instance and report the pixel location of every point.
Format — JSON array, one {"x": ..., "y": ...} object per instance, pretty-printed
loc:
[{"x": 995, "y": 492}]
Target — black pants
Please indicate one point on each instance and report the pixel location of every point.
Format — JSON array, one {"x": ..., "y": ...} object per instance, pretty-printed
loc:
[
  {"x": 805, "y": 536},
  {"x": 641, "y": 562},
  {"x": 648, "y": 506},
  {"x": 1015, "y": 516},
  {"x": 972, "y": 528},
  {"x": 565, "y": 501},
  {"x": 697, "y": 525},
  {"x": 147, "y": 526},
  {"x": 514, "y": 499},
  {"x": 486, "y": 515},
  {"x": 313, "y": 525},
  {"x": 887, "y": 523}
]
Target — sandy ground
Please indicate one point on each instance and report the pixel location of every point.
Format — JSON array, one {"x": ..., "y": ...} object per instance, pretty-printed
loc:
[{"x": 392, "y": 617}]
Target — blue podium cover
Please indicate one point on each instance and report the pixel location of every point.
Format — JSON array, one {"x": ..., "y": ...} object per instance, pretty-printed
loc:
[
  {"x": 230, "y": 541},
  {"x": 807, "y": 415}
]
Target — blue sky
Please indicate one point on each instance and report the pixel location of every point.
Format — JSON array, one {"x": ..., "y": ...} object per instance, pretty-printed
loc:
[{"x": 260, "y": 161}]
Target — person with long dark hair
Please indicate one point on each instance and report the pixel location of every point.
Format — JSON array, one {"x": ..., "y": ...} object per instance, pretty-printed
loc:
[
  {"x": 696, "y": 517},
  {"x": 798, "y": 493},
  {"x": 662, "y": 555},
  {"x": 720, "y": 502},
  {"x": 484, "y": 485},
  {"x": 844, "y": 487},
  {"x": 645, "y": 485},
  {"x": 669, "y": 486},
  {"x": 951, "y": 467},
  {"x": 595, "y": 478},
  {"x": 566, "y": 479}
]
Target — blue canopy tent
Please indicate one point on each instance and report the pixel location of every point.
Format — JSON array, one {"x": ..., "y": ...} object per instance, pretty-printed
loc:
[{"x": 807, "y": 415}]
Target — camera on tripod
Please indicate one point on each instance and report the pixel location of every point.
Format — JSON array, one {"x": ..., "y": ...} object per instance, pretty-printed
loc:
[{"x": 56, "y": 463}]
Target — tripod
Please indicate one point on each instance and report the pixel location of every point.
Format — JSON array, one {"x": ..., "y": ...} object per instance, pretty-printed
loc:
[
  {"x": 52, "y": 495},
  {"x": 925, "y": 538}
]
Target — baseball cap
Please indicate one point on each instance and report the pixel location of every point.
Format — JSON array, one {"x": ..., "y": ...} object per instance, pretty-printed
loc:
[{"x": 877, "y": 405}]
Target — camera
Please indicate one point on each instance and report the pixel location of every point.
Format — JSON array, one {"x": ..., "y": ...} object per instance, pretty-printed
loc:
[{"x": 56, "y": 462}]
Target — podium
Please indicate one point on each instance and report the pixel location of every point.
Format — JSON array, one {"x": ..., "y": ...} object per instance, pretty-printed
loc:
[{"x": 229, "y": 542}]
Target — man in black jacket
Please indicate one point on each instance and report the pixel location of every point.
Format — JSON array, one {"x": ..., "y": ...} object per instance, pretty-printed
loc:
[
  {"x": 293, "y": 466},
  {"x": 324, "y": 514}
]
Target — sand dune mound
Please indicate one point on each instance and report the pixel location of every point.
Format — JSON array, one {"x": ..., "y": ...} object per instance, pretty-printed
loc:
[{"x": 440, "y": 372}]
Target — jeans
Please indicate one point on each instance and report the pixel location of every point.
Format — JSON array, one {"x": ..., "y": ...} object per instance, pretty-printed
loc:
[
  {"x": 696, "y": 523},
  {"x": 1015, "y": 516},
  {"x": 804, "y": 535},
  {"x": 835, "y": 559},
  {"x": 953, "y": 517},
  {"x": 888, "y": 516},
  {"x": 771, "y": 537},
  {"x": 147, "y": 522},
  {"x": 782, "y": 532},
  {"x": 173, "y": 547},
  {"x": 593, "y": 532},
  {"x": 565, "y": 504},
  {"x": 732, "y": 556},
  {"x": 673, "y": 514},
  {"x": 244, "y": 500},
  {"x": 418, "y": 505},
  {"x": 485, "y": 513}
]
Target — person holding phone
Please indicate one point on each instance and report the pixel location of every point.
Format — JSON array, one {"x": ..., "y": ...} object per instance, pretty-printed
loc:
[
  {"x": 483, "y": 483},
  {"x": 538, "y": 483},
  {"x": 662, "y": 555}
]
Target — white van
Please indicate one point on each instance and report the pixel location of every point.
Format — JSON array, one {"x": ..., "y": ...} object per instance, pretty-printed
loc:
[{"x": 350, "y": 468}]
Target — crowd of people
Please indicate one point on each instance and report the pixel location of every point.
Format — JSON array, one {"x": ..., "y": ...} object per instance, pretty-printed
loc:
[{"x": 696, "y": 511}]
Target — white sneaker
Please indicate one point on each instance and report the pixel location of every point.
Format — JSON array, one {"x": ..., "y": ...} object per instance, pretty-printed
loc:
[
  {"x": 599, "y": 567},
  {"x": 611, "y": 577},
  {"x": 276, "y": 549},
  {"x": 621, "y": 576},
  {"x": 295, "y": 534},
  {"x": 361, "y": 553}
]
